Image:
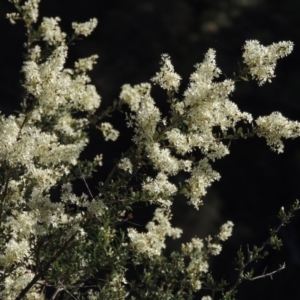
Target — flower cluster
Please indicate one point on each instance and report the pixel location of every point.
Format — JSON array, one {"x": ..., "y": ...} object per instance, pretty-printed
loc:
[
  {"x": 152, "y": 242},
  {"x": 167, "y": 78},
  {"x": 51, "y": 31},
  {"x": 86, "y": 28},
  {"x": 44, "y": 223},
  {"x": 261, "y": 60},
  {"x": 275, "y": 127}
]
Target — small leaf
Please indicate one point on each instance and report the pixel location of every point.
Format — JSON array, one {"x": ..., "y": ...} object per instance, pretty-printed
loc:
[{"x": 244, "y": 78}]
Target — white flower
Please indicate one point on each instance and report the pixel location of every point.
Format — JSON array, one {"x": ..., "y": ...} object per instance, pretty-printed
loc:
[
  {"x": 99, "y": 159},
  {"x": 13, "y": 17},
  {"x": 125, "y": 164},
  {"x": 275, "y": 127},
  {"x": 206, "y": 105},
  {"x": 159, "y": 188},
  {"x": 198, "y": 260},
  {"x": 90, "y": 99},
  {"x": 86, "y": 28},
  {"x": 146, "y": 119},
  {"x": 35, "y": 53},
  {"x": 262, "y": 60},
  {"x": 178, "y": 140},
  {"x": 164, "y": 162},
  {"x": 17, "y": 280},
  {"x": 30, "y": 10},
  {"x": 51, "y": 31},
  {"x": 152, "y": 242},
  {"x": 215, "y": 249},
  {"x": 108, "y": 131},
  {"x": 226, "y": 231},
  {"x": 133, "y": 96},
  {"x": 14, "y": 252},
  {"x": 166, "y": 78},
  {"x": 202, "y": 177},
  {"x": 86, "y": 64}
]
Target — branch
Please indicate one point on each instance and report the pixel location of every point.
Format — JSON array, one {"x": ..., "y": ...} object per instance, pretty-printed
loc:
[
  {"x": 47, "y": 266},
  {"x": 264, "y": 275}
]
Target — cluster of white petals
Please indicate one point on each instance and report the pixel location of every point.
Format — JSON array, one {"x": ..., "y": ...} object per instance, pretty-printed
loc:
[
  {"x": 226, "y": 231},
  {"x": 146, "y": 120},
  {"x": 214, "y": 249},
  {"x": 163, "y": 160},
  {"x": 15, "y": 252},
  {"x": 51, "y": 31},
  {"x": 201, "y": 178},
  {"x": 29, "y": 11},
  {"x": 261, "y": 60},
  {"x": 152, "y": 242},
  {"x": 125, "y": 164},
  {"x": 275, "y": 127},
  {"x": 16, "y": 282},
  {"x": 159, "y": 189},
  {"x": 208, "y": 106},
  {"x": 55, "y": 87},
  {"x": 195, "y": 250},
  {"x": 85, "y": 28},
  {"x": 36, "y": 158},
  {"x": 35, "y": 53},
  {"x": 166, "y": 78},
  {"x": 86, "y": 64},
  {"x": 108, "y": 131},
  {"x": 26, "y": 146},
  {"x": 40, "y": 149},
  {"x": 133, "y": 96}
]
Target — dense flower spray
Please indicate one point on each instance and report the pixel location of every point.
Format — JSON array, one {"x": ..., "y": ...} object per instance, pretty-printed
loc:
[{"x": 65, "y": 244}]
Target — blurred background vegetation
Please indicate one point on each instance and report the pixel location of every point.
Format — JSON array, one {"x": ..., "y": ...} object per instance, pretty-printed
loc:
[{"x": 130, "y": 37}]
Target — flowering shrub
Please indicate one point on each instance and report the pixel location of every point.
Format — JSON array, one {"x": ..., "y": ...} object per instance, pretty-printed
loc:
[{"x": 75, "y": 246}]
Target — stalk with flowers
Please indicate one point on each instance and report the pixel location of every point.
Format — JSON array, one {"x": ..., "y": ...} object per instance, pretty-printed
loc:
[{"x": 75, "y": 248}]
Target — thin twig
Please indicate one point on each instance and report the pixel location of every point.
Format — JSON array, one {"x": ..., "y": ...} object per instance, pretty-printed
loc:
[
  {"x": 85, "y": 182},
  {"x": 264, "y": 275}
]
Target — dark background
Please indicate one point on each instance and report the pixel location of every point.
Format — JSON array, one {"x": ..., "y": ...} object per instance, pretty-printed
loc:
[{"x": 256, "y": 182}]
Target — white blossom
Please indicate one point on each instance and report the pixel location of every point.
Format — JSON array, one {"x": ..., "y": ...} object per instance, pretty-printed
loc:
[
  {"x": 42, "y": 145},
  {"x": 51, "y": 31},
  {"x": 208, "y": 105},
  {"x": 152, "y": 242},
  {"x": 30, "y": 10},
  {"x": 198, "y": 261},
  {"x": 99, "y": 159},
  {"x": 215, "y": 249},
  {"x": 160, "y": 189},
  {"x": 14, "y": 252},
  {"x": 86, "y": 28},
  {"x": 133, "y": 96},
  {"x": 201, "y": 178},
  {"x": 226, "y": 231},
  {"x": 35, "y": 53},
  {"x": 261, "y": 60},
  {"x": 166, "y": 78},
  {"x": 86, "y": 64},
  {"x": 96, "y": 207},
  {"x": 125, "y": 164},
  {"x": 108, "y": 131},
  {"x": 165, "y": 162},
  {"x": 146, "y": 119},
  {"x": 54, "y": 87},
  {"x": 12, "y": 17},
  {"x": 275, "y": 127},
  {"x": 16, "y": 282}
]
